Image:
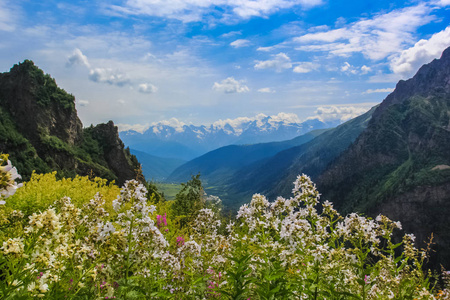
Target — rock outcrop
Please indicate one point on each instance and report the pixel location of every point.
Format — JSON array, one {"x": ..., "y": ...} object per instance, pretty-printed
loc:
[{"x": 40, "y": 129}]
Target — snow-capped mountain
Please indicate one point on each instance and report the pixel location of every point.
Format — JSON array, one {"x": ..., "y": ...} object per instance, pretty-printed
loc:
[{"x": 176, "y": 139}]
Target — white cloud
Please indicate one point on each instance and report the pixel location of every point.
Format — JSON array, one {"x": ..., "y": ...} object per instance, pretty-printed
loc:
[
  {"x": 325, "y": 36},
  {"x": 386, "y": 90},
  {"x": 348, "y": 68},
  {"x": 147, "y": 88},
  {"x": 306, "y": 67},
  {"x": 173, "y": 122},
  {"x": 280, "y": 62},
  {"x": 141, "y": 128},
  {"x": 82, "y": 102},
  {"x": 8, "y": 17},
  {"x": 110, "y": 76},
  {"x": 365, "y": 69},
  {"x": 409, "y": 60},
  {"x": 375, "y": 38},
  {"x": 230, "y": 85},
  {"x": 339, "y": 113},
  {"x": 231, "y": 34},
  {"x": 78, "y": 57},
  {"x": 286, "y": 118},
  {"x": 443, "y": 2},
  {"x": 266, "y": 49},
  {"x": 266, "y": 90},
  {"x": 196, "y": 10},
  {"x": 385, "y": 78},
  {"x": 240, "y": 43}
]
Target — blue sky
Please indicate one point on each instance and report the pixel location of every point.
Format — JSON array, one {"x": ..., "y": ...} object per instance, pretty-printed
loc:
[{"x": 137, "y": 62}]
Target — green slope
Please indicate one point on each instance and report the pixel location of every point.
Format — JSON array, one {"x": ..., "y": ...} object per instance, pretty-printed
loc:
[
  {"x": 156, "y": 168},
  {"x": 273, "y": 176},
  {"x": 219, "y": 166},
  {"x": 400, "y": 165}
]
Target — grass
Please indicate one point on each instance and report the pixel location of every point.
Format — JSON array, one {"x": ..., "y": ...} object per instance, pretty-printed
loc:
[{"x": 169, "y": 189}]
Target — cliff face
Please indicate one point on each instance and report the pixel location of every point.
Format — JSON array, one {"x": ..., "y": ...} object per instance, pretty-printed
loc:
[
  {"x": 37, "y": 105},
  {"x": 399, "y": 166},
  {"x": 119, "y": 161},
  {"x": 41, "y": 130}
]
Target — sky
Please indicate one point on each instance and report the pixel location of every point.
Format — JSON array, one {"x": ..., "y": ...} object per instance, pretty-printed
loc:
[{"x": 138, "y": 62}]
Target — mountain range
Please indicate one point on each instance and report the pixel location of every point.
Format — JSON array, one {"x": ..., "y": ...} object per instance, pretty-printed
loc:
[
  {"x": 393, "y": 160},
  {"x": 236, "y": 172},
  {"x": 173, "y": 139}
]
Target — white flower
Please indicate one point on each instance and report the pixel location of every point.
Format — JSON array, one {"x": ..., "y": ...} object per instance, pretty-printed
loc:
[
  {"x": 13, "y": 246},
  {"x": 105, "y": 230},
  {"x": 8, "y": 175},
  {"x": 43, "y": 287},
  {"x": 116, "y": 204}
]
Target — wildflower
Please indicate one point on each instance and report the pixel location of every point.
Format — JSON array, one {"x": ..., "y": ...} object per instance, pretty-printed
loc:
[
  {"x": 161, "y": 220},
  {"x": 13, "y": 246},
  {"x": 48, "y": 220},
  {"x": 104, "y": 230},
  {"x": 8, "y": 176},
  {"x": 180, "y": 241}
]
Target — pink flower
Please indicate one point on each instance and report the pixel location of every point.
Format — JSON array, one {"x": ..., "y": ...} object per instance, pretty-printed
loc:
[
  {"x": 161, "y": 220},
  {"x": 180, "y": 241}
]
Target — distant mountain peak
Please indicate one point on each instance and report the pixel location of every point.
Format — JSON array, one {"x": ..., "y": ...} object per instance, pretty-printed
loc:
[{"x": 173, "y": 138}]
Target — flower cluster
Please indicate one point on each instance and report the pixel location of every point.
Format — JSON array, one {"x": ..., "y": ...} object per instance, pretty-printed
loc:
[{"x": 286, "y": 249}]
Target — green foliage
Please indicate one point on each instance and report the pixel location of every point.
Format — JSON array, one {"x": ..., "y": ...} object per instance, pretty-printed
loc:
[
  {"x": 153, "y": 192},
  {"x": 23, "y": 154},
  {"x": 56, "y": 143},
  {"x": 189, "y": 200},
  {"x": 91, "y": 146},
  {"x": 47, "y": 91}
]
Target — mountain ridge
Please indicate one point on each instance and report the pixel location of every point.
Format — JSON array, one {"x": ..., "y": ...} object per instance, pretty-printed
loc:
[
  {"x": 182, "y": 141},
  {"x": 393, "y": 166},
  {"x": 222, "y": 162},
  {"x": 40, "y": 129}
]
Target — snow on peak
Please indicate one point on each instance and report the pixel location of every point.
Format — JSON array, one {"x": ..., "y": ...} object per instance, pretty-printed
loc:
[
  {"x": 173, "y": 122},
  {"x": 235, "y": 127},
  {"x": 261, "y": 120}
]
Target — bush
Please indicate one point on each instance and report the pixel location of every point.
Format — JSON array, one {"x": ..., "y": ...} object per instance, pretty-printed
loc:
[{"x": 44, "y": 189}]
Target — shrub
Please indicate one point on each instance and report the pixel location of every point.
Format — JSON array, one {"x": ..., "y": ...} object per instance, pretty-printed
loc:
[{"x": 43, "y": 189}]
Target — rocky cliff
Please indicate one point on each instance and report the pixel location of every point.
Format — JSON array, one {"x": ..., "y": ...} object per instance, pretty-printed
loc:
[
  {"x": 400, "y": 165},
  {"x": 40, "y": 129}
]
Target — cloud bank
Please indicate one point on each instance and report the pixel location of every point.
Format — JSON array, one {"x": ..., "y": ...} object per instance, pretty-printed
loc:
[
  {"x": 196, "y": 10},
  {"x": 230, "y": 85},
  {"x": 422, "y": 52},
  {"x": 279, "y": 63}
]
